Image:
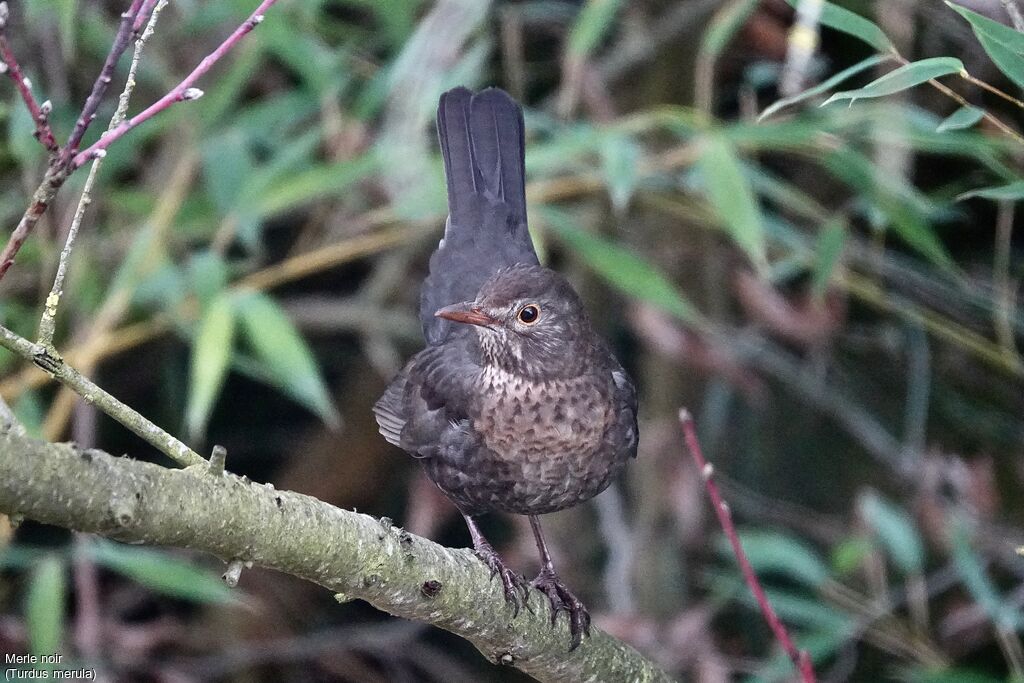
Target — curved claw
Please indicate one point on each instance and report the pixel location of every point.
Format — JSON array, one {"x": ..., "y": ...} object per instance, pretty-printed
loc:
[
  {"x": 563, "y": 600},
  {"x": 512, "y": 582}
]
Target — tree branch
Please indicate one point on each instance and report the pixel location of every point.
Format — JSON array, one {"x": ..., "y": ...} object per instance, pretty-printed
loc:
[
  {"x": 99, "y": 87},
  {"x": 355, "y": 555},
  {"x": 800, "y": 658},
  {"x": 51, "y": 363},
  {"x": 40, "y": 113},
  {"x": 182, "y": 92}
]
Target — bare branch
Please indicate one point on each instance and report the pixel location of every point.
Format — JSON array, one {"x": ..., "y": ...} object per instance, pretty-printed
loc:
[
  {"x": 183, "y": 92},
  {"x": 801, "y": 660},
  {"x": 99, "y": 88},
  {"x": 40, "y": 112},
  {"x": 53, "y": 364},
  {"x": 352, "y": 554},
  {"x": 47, "y": 323}
]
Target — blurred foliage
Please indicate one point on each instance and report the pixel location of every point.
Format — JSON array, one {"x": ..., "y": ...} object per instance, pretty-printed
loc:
[{"x": 834, "y": 289}]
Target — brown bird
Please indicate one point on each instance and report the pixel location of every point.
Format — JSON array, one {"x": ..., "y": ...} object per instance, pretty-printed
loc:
[{"x": 516, "y": 404}]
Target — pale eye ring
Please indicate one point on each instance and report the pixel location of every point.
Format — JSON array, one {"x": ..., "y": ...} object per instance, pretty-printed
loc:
[{"x": 529, "y": 314}]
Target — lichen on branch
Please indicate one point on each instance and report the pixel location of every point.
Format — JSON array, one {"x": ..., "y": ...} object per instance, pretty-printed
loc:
[{"x": 354, "y": 555}]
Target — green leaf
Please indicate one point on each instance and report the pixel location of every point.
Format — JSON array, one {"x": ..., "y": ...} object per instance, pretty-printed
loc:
[
  {"x": 44, "y": 606},
  {"x": 826, "y": 85},
  {"x": 895, "y": 530},
  {"x": 620, "y": 155},
  {"x": 162, "y": 572},
  {"x": 211, "y": 355},
  {"x": 977, "y": 581},
  {"x": 1012, "y": 192},
  {"x": 724, "y": 26},
  {"x": 902, "y": 204},
  {"x": 733, "y": 199},
  {"x": 284, "y": 354},
  {"x": 622, "y": 269},
  {"x": 592, "y": 24},
  {"x": 907, "y": 76},
  {"x": 924, "y": 675},
  {"x": 850, "y": 554},
  {"x": 830, "y": 246},
  {"x": 775, "y": 552},
  {"x": 315, "y": 183},
  {"x": 1008, "y": 61},
  {"x": 207, "y": 276},
  {"x": 852, "y": 24},
  {"x": 1004, "y": 45},
  {"x": 964, "y": 117},
  {"x": 227, "y": 165}
]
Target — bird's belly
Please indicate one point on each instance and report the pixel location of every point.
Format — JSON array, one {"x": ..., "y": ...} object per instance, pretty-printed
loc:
[{"x": 543, "y": 449}]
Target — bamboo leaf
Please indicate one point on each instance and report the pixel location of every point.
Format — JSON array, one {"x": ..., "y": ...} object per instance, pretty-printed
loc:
[
  {"x": 1004, "y": 45},
  {"x": 825, "y": 85},
  {"x": 162, "y": 573},
  {"x": 211, "y": 356},
  {"x": 962, "y": 118},
  {"x": 1012, "y": 192},
  {"x": 776, "y": 552},
  {"x": 621, "y": 268},
  {"x": 724, "y": 26},
  {"x": 620, "y": 155},
  {"x": 907, "y": 76},
  {"x": 44, "y": 606},
  {"x": 733, "y": 199},
  {"x": 830, "y": 246},
  {"x": 284, "y": 354},
  {"x": 895, "y": 531},
  {"x": 592, "y": 24},
  {"x": 844, "y": 20}
]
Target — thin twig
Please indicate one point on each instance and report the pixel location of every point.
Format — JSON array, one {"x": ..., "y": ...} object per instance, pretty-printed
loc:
[
  {"x": 99, "y": 87},
  {"x": 47, "y": 323},
  {"x": 801, "y": 660},
  {"x": 58, "y": 172},
  {"x": 1003, "y": 282},
  {"x": 991, "y": 88},
  {"x": 40, "y": 112},
  {"x": 59, "y": 169},
  {"x": 183, "y": 92},
  {"x": 127, "y": 416}
]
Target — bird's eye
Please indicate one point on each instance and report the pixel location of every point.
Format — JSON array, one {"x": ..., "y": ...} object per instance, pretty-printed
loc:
[{"x": 529, "y": 314}]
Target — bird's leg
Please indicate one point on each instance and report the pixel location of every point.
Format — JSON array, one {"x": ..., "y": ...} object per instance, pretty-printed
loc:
[
  {"x": 560, "y": 596},
  {"x": 514, "y": 583}
]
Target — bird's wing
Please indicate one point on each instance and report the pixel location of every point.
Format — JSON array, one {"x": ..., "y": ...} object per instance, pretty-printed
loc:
[
  {"x": 483, "y": 147},
  {"x": 626, "y": 433},
  {"x": 430, "y": 400}
]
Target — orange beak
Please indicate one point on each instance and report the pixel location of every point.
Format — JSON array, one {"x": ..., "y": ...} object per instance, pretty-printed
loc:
[{"x": 466, "y": 312}]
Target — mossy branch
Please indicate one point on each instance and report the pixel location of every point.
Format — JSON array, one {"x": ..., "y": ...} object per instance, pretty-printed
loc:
[{"x": 355, "y": 555}]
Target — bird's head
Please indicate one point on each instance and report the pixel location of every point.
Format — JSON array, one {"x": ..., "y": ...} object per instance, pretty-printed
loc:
[{"x": 529, "y": 321}]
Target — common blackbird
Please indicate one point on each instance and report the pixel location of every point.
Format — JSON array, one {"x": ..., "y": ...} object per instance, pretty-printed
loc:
[{"x": 516, "y": 404}]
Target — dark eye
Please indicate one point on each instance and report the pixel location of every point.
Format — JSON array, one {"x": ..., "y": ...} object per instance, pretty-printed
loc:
[{"x": 529, "y": 314}]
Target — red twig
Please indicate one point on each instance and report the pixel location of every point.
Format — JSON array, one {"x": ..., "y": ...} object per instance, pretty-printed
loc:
[
  {"x": 69, "y": 159},
  {"x": 40, "y": 112},
  {"x": 99, "y": 87},
  {"x": 801, "y": 660},
  {"x": 142, "y": 18},
  {"x": 182, "y": 92}
]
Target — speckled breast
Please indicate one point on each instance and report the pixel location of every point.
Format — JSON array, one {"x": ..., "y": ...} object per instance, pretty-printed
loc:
[{"x": 544, "y": 444}]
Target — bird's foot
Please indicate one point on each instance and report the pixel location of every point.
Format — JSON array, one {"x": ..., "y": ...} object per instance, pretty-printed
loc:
[
  {"x": 517, "y": 591},
  {"x": 562, "y": 600}
]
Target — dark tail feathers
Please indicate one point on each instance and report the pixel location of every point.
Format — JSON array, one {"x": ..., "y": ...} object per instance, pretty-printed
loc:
[{"x": 483, "y": 145}]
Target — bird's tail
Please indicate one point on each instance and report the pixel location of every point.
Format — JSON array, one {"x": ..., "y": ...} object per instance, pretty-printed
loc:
[{"x": 483, "y": 146}]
